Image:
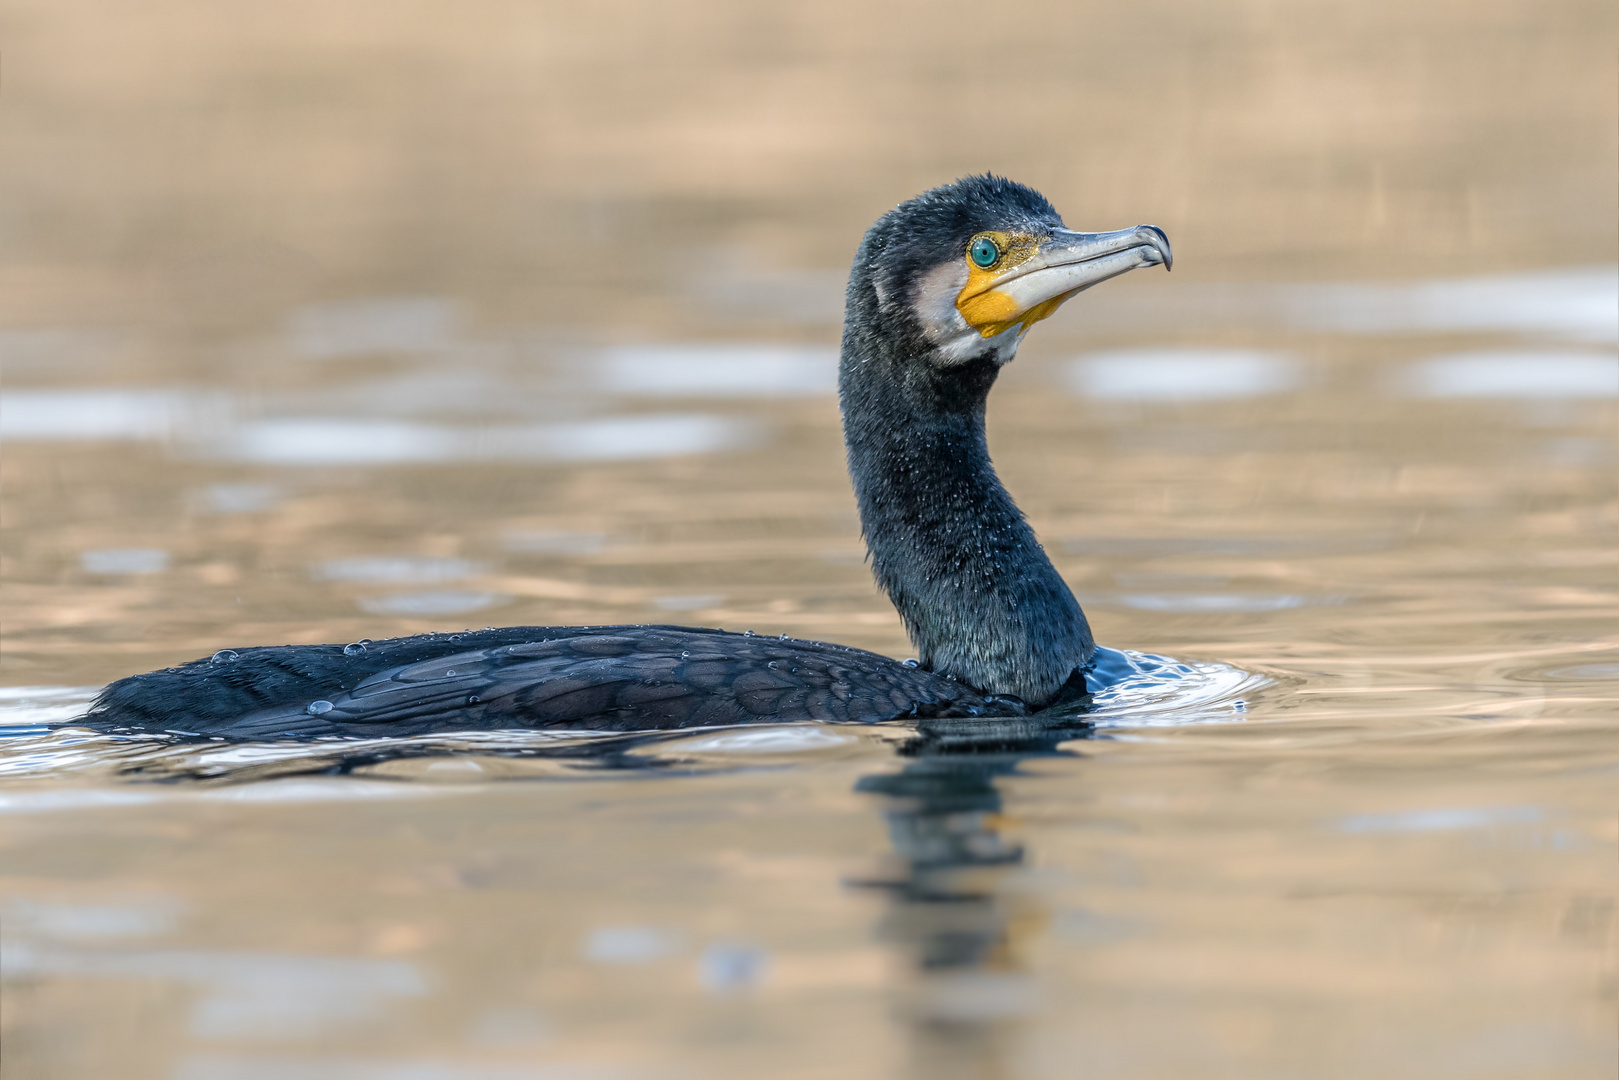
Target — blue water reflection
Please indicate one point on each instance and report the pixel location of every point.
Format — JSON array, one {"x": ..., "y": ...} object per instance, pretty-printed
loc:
[
  {"x": 1576, "y": 303},
  {"x": 112, "y": 561},
  {"x": 713, "y": 370},
  {"x": 407, "y": 324},
  {"x": 1442, "y": 819},
  {"x": 442, "y": 602},
  {"x": 1192, "y": 374},
  {"x": 1514, "y": 374},
  {"x": 111, "y": 414},
  {"x": 364, "y": 441},
  {"x": 387, "y": 569}
]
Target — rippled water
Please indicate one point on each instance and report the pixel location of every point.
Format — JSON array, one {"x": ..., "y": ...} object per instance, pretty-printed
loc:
[
  {"x": 40, "y": 741},
  {"x": 325, "y": 323}
]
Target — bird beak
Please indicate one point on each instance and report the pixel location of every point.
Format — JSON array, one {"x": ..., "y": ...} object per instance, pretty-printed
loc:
[{"x": 1063, "y": 264}]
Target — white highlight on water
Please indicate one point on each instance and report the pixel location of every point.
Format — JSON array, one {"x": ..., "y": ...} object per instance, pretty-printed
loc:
[
  {"x": 718, "y": 370},
  {"x": 1172, "y": 374},
  {"x": 1514, "y": 374}
]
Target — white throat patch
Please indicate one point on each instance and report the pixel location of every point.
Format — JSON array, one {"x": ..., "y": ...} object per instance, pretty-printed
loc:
[{"x": 934, "y": 304}]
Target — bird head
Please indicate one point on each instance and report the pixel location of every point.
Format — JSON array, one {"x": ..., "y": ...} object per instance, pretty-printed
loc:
[{"x": 972, "y": 265}]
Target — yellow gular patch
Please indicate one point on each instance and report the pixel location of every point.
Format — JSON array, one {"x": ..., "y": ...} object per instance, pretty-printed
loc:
[{"x": 989, "y": 311}]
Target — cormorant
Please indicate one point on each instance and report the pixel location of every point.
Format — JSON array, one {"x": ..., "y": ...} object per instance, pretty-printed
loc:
[{"x": 943, "y": 289}]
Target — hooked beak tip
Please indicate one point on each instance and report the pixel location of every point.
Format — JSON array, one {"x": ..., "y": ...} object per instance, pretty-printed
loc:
[{"x": 1164, "y": 248}]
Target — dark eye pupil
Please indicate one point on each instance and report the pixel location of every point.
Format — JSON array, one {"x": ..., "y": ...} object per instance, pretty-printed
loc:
[{"x": 984, "y": 252}]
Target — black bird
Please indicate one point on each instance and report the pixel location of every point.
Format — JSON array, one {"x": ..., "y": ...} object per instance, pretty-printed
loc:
[{"x": 942, "y": 291}]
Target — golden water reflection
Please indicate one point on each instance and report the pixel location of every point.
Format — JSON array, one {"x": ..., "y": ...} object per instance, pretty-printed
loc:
[{"x": 322, "y": 322}]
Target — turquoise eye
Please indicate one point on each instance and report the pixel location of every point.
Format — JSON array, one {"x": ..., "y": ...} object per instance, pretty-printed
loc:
[{"x": 984, "y": 252}]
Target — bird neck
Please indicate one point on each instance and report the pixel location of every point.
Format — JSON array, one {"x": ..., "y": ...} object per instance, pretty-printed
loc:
[{"x": 980, "y": 599}]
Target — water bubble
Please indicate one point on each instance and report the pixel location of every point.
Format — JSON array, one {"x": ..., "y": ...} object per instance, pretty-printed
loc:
[
  {"x": 225, "y": 656},
  {"x": 473, "y": 699},
  {"x": 319, "y": 707},
  {"x": 771, "y": 665},
  {"x": 684, "y": 655},
  {"x": 355, "y": 648},
  {"x": 747, "y": 633},
  {"x": 783, "y": 637},
  {"x": 455, "y": 637},
  {"x": 912, "y": 662}
]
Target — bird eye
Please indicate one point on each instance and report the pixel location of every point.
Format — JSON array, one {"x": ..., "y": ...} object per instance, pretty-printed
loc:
[{"x": 983, "y": 252}]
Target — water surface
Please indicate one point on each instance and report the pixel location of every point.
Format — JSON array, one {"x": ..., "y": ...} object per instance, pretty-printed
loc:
[{"x": 324, "y": 324}]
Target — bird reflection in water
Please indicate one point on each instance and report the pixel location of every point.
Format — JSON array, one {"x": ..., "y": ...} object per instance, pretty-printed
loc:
[{"x": 950, "y": 910}]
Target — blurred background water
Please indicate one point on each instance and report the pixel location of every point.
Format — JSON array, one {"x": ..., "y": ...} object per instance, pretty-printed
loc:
[{"x": 330, "y": 321}]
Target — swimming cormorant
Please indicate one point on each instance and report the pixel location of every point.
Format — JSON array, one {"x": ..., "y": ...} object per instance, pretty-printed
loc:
[{"x": 943, "y": 289}]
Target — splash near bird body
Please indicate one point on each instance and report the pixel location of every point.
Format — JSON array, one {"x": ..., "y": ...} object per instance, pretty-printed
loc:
[{"x": 942, "y": 290}]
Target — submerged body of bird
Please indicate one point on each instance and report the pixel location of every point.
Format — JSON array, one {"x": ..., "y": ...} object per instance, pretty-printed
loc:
[{"x": 942, "y": 290}]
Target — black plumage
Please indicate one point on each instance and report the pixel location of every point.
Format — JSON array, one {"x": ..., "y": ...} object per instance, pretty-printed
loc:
[
  {"x": 977, "y": 592},
  {"x": 599, "y": 678},
  {"x": 997, "y": 631}
]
